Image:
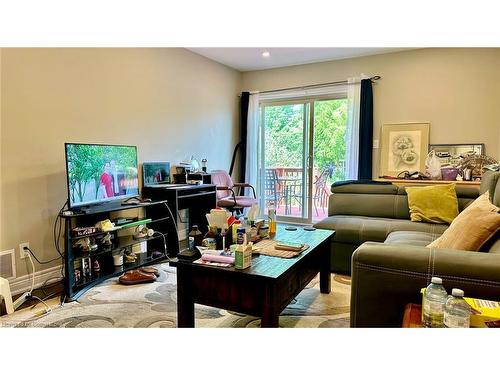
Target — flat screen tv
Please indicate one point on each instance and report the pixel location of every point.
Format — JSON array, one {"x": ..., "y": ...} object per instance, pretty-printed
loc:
[
  {"x": 155, "y": 172},
  {"x": 100, "y": 173}
]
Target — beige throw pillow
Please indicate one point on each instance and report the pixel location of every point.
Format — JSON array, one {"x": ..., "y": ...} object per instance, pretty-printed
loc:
[{"x": 472, "y": 227}]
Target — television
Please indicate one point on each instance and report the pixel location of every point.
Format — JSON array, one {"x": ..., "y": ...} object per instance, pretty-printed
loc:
[
  {"x": 154, "y": 173},
  {"x": 98, "y": 173}
]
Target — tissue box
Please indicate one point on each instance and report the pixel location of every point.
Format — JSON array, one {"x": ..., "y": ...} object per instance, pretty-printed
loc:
[
  {"x": 484, "y": 313},
  {"x": 243, "y": 256}
]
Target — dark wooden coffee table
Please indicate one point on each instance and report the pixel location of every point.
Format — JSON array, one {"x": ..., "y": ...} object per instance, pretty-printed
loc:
[{"x": 264, "y": 289}]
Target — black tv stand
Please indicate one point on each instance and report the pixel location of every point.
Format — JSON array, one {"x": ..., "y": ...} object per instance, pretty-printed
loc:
[{"x": 122, "y": 239}]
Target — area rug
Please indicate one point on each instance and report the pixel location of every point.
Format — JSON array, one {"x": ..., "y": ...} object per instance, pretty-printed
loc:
[{"x": 111, "y": 304}]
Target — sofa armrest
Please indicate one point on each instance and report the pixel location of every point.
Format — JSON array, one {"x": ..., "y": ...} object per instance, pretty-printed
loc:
[{"x": 386, "y": 277}]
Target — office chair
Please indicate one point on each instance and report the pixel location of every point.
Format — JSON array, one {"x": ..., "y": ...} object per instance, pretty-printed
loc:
[{"x": 227, "y": 197}]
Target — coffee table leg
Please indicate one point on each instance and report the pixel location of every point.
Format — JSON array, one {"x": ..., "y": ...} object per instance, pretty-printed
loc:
[
  {"x": 270, "y": 313},
  {"x": 185, "y": 303},
  {"x": 325, "y": 282},
  {"x": 270, "y": 319}
]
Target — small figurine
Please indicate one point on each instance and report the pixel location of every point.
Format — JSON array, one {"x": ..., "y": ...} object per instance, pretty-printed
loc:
[
  {"x": 130, "y": 257},
  {"x": 106, "y": 240},
  {"x": 96, "y": 267},
  {"x": 86, "y": 267},
  {"x": 156, "y": 254},
  {"x": 78, "y": 276},
  {"x": 93, "y": 245},
  {"x": 84, "y": 244}
]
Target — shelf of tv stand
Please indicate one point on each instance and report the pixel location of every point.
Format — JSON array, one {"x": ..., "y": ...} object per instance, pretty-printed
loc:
[
  {"x": 80, "y": 288},
  {"x": 110, "y": 207},
  {"x": 128, "y": 226},
  {"x": 124, "y": 241}
]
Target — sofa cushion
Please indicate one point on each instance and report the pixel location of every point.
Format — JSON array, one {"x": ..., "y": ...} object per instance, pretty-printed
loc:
[
  {"x": 472, "y": 228},
  {"x": 411, "y": 238},
  {"x": 433, "y": 204},
  {"x": 358, "y": 229},
  {"x": 492, "y": 245},
  {"x": 489, "y": 182}
]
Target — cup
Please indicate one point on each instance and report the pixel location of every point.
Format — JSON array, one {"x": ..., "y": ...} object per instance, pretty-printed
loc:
[
  {"x": 118, "y": 260},
  {"x": 467, "y": 174},
  {"x": 449, "y": 174}
]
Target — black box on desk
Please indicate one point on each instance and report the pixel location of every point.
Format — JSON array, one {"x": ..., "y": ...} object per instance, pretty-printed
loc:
[{"x": 204, "y": 178}]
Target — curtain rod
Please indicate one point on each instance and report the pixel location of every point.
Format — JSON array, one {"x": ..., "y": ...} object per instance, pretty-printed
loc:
[{"x": 374, "y": 78}]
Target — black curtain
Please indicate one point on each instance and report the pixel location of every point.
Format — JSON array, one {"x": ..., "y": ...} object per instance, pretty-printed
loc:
[
  {"x": 242, "y": 144},
  {"x": 365, "y": 131},
  {"x": 245, "y": 97}
]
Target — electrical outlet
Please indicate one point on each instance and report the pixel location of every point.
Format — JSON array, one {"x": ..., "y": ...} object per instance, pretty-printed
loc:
[
  {"x": 375, "y": 143},
  {"x": 23, "y": 253}
]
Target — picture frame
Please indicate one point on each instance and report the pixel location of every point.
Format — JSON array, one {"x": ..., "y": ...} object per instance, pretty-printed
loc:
[
  {"x": 451, "y": 154},
  {"x": 403, "y": 147}
]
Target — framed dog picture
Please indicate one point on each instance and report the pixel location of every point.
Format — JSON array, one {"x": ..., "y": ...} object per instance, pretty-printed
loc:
[{"x": 403, "y": 148}]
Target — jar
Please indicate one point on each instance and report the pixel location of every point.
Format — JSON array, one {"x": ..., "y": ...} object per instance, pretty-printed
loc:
[
  {"x": 240, "y": 236},
  {"x": 264, "y": 231}
]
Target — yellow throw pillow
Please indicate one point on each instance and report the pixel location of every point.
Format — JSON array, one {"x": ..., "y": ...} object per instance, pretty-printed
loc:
[
  {"x": 472, "y": 228},
  {"x": 433, "y": 204}
]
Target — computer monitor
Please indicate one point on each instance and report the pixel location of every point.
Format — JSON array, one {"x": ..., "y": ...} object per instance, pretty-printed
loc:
[{"x": 155, "y": 172}]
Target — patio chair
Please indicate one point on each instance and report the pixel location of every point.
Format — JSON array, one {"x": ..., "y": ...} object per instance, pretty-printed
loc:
[
  {"x": 320, "y": 193},
  {"x": 272, "y": 187},
  {"x": 292, "y": 185}
]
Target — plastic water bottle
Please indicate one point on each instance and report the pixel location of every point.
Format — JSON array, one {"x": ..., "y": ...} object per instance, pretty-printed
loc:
[
  {"x": 456, "y": 310},
  {"x": 434, "y": 300}
]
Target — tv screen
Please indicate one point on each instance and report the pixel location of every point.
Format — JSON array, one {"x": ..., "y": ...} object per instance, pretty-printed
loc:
[
  {"x": 100, "y": 173},
  {"x": 154, "y": 173}
]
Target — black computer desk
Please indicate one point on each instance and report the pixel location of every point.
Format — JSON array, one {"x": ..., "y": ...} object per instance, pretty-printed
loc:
[{"x": 198, "y": 199}]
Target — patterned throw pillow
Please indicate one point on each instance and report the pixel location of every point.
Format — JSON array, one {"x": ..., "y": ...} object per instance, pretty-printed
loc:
[{"x": 472, "y": 228}]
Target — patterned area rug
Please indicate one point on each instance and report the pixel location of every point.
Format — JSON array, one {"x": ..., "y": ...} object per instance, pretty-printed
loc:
[{"x": 111, "y": 304}]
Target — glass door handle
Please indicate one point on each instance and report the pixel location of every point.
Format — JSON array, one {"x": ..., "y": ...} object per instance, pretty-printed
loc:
[{"x": 309, "y": 162}]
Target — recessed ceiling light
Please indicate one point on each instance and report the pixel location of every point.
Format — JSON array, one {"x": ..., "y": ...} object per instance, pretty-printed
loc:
[{"x": 266, "y": 54}]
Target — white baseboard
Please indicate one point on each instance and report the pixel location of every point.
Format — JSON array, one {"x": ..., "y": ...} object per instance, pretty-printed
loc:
[{"x": 23, "y": 284}]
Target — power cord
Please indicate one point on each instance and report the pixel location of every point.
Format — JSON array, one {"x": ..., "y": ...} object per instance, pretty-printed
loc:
[
  {"x": 56, "y": 230},
  {"x": 175, "y": 222},
  {"x": 164, "y": 244},
  {"x": 39, "y": 261},
  {"x": 29, "y": 295}
]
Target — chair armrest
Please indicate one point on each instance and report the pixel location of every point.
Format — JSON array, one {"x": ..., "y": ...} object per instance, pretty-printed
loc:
[
  {"x": 386, "y": 277},
  {"x": 233, "y": 195},
  {"x": 244, "y": 185}
]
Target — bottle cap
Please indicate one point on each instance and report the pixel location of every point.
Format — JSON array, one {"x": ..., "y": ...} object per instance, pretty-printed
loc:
[
  {"x": 436, "y": 280},
  {"x": 455, "y": 292}
]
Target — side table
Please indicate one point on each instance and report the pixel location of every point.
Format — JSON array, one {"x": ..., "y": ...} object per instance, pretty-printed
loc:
[{"x": 412, "y": 317}]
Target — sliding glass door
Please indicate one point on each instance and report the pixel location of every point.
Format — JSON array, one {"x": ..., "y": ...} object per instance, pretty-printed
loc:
[
  {"x": 285, "y": 158},
  {"x": 302, "y": 153}
]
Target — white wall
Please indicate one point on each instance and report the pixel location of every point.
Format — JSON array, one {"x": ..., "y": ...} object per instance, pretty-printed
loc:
[
  {"x": 456, "y": 89},
  {"x": 171, "y": 103}
]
